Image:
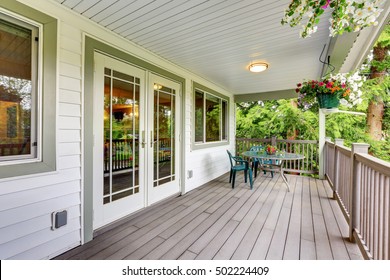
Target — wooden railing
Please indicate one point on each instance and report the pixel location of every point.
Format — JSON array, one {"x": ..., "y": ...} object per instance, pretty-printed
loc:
[
  {"x": 309, "y": 148},
  {"x": 124, "y": 156},
  {"x": 361, "y": 184}
]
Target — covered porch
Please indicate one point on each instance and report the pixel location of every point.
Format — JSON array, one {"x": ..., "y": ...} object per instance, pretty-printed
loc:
[{"x": 218, "y": 222}]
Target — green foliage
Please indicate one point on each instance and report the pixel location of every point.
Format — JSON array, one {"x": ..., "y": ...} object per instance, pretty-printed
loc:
[
  {"x": 378, "y": 87},
  {"x": 386, "y": 121},
  {"x": 280, "y": 118},
  {"x": 379, "y": 149},
  {"x": 213, "y": 122},
  {"x": 351, "y": 128},
  {"x": 384, "y": 39}
]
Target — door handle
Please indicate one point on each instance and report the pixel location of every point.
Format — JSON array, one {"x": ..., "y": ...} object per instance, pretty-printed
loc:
[
  {"x": 151, "y": 139},
  {"x": 143, "y": 143}
]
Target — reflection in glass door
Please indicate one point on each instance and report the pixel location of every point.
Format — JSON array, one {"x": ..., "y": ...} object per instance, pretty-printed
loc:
[
  {"x": 164, "y": 133},
  {"x": 118, "y": 159},
  {"x": 121, "y": 130},
  {"x": 164, "y": 123}
]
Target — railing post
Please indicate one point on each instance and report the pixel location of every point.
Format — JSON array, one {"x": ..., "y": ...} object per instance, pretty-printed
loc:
[
  {"x": 354, "y": 218},
  {"x": 273, "y": 141},
  {"x": 326, "y": 164},
  {"x": 336, "y": 166}
]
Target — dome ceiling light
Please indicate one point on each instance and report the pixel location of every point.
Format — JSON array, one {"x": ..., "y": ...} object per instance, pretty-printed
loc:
[{"x": 258, "y": 67}]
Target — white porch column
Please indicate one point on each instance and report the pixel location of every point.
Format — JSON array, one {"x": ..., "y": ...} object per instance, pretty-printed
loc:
[{"x": 321, "y": 144}]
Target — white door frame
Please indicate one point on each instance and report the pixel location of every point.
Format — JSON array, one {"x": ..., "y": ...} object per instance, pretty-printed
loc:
[{"x": 149, "y": 194}]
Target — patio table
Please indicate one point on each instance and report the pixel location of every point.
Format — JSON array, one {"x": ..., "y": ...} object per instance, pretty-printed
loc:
[{"x": 274, "y": 162}]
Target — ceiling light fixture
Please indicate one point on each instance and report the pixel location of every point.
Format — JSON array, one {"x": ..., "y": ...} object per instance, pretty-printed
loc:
[{"x": 258, "y": 67}]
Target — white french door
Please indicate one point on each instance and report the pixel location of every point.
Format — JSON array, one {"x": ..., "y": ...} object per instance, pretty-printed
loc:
[
  {"x": 136, "y": 139},
  {"x": 118, "y": 162},
  {"x": 164, "y": 134}
]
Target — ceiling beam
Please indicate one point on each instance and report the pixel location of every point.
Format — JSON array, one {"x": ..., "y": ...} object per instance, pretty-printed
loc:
[{"x": 270, "y": 95}]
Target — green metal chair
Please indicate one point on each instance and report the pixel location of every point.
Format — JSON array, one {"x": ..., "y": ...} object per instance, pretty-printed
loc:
[
  {"x": 239, "y": 164},
  {"x": 256, "y": 161}
]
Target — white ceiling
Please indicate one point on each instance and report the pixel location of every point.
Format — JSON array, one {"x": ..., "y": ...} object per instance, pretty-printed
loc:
[{"x": 216, "y": 39}]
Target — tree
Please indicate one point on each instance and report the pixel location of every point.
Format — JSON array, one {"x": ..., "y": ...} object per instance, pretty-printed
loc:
[{"x": 378, "y": 85}]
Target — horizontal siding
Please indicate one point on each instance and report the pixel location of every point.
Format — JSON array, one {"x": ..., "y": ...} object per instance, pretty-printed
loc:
[
  {"x": 15, "y": 200},
  {"x": 26, "y": 212},
  {"x": 73, "y": 110},
  {"x": 66, "y": 162},
  {"x": 33, "y": 240},
  {"x": 67, "y": 96},
  {"x": 19, "y": 185},
  {"x": 32, "y": 225},
  {"x": 70, "y": 83},
  {"x": 60, "y": 244},
  {"x": 65, "y": 122},
  {"x": 70, "y": 57},
  {"x": 69, "y": 135},
  {"x": 70, "y": 70},
  {"x": 67, "y": 149},
  {"x": 70, "y": 44},
  {"x": 27, "y": 204}
]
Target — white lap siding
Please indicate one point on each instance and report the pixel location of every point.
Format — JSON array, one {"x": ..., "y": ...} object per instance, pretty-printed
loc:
[{"x": 26, "y": 204}]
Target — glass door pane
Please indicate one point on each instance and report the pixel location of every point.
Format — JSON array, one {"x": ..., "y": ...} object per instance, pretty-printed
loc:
[
  {"x": 121, "y": 131},
  {"x": 164, "y": 135}
]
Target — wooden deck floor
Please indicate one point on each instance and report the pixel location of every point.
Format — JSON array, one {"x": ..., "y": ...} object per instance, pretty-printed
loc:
[{"x": 217, "y": 222}]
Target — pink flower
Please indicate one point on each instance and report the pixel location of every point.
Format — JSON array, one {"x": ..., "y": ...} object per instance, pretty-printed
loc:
[
  {"x": 328, "y": 84},
  {"x": 343, "y": 85},
  {"x": 321, "y": 84},
  {"x": 326, "y": 5}
]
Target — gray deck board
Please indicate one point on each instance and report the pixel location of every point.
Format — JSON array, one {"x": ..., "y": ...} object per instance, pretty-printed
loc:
[
  {"x": 218, "y": 222},
  {"x": 246, "y": 217},
  {"x": 292, "y": 248},
  {"x": 175, "y": 238},
  {"x": 184, "y": 244},
  {"x": 187, "y": 255},
  {"x": 247, "y": 243},
  {"x": 209, "y": 252},
  {"x": 324, "y": 251}
]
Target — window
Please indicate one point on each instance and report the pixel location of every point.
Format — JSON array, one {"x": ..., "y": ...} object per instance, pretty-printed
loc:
[
  {"x": 28, "y": 91},
  {"x": 18, "y": 89},
  {"x": 211, "y": 115}
]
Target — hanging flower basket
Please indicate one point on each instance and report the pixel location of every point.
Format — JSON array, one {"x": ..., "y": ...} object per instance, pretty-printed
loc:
[
  {"x": 330, "y": 91},
  {"x": 328, "y": 101}
]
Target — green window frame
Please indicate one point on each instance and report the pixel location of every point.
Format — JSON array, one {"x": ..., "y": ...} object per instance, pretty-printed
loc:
[
  {"x": 210, "y": 118},
  {"x": 45, "y": 97},
  {"x": 19, "y": 96}
]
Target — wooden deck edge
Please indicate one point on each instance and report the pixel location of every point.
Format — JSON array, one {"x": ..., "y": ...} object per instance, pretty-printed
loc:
[
  {"x": 338, "y": 199},
  {"x": 362, "y": 245}
]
